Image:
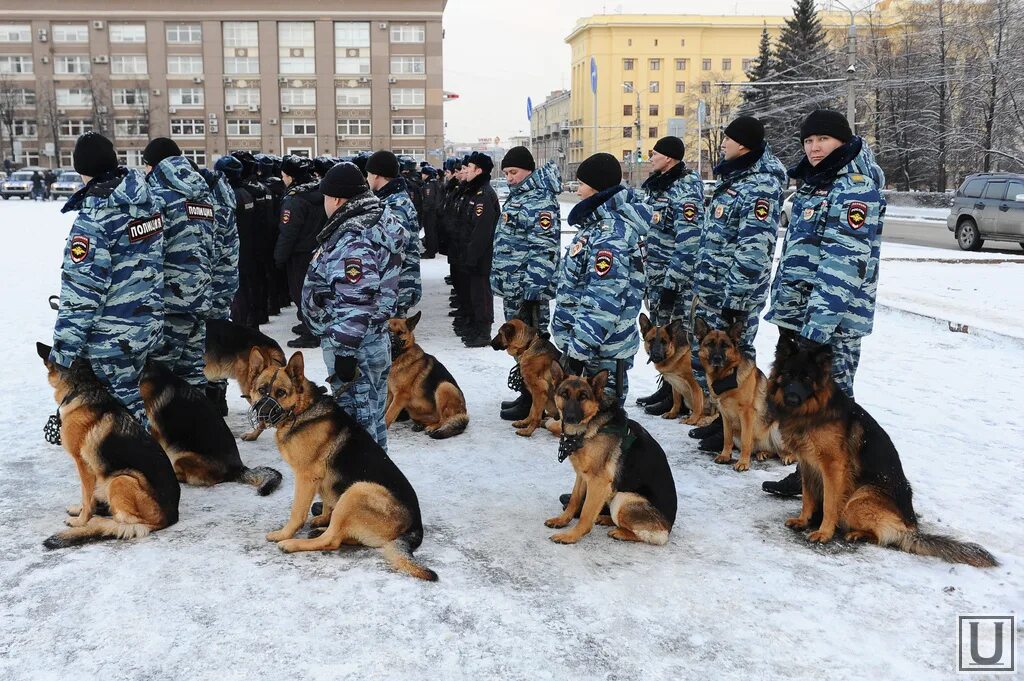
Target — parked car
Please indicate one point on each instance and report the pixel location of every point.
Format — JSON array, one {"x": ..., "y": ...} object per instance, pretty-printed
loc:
[
  {"x": 571, "y": 186},
  {"x": 67, "y": 184},
  {"x": 18, "y": 184},
  {"x": 709, "y": 189},
  {"x": 786, "y": 212},
  {"x": 501, "y": 188},
  {"x": 988, "y": 206}
]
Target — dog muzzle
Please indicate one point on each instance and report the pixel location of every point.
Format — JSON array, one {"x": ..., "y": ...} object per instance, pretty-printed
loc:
[
  {"x": 51, "y": 431},
  {"x": 569, "y": 445},
  {"x": 267, "y": 412},
  {"x": 515, "y": 379}
]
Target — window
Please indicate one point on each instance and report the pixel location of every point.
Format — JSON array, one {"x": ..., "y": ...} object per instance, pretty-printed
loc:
[
  {"x": 627, "y": 109},
  {"x": 188, "y": 127},
  {"x": 184, "y": 65},
  {"x": 352, "y": 47},
  {"x": 197, "y": 156},
  {"x": 652, "y": 110},
  {"x": 627, "y": 131},
  {"x": 295, "y": 46},
  {"x": 352, "y": 65},
  {"x": 244, "y": 127},
  {"x": 727, "y": 64},
  {"x": 627, "y": 64},
  {"x": 130, "y": 157},
  {"x": 128, "y": 64},
  {"x": 681, "y": 64},
  {"x": 298, "y": 126},
  {"x": 70, "y": 64},
  {"x": 15, "y": 64},
  {"x": 20, "y": 96},
  {"x": 680, "y": 110},
  {"x": 706, "y": 64},
  {"x": 71, "y": 33},
  {"x": 127, "y": 33},
  {"x": 973, "y": 189},
  {"x": 627, "y": 86},
  {"x": 652, "y": 132},
  {"x": 627, "y": 155},
  {"x": 241, "y": 65},
  {"x": 240, "y": 34},
  {"x": 354, "y": 127},
  {"x": 407, "y": 97},
  {"x": 76, "y": 96},
  {"x": 1014, "y": 189},
  {"x": 654, "y": 64},
  {"x": 242, "y": 96},
  {"x": 748, "y": 63},
  {"x": 67, "y": 158},
  {"x": 123, "y": 96},
  {"x": 680, "y": 87},
  {"x": 241, "y": 52},
  {"x": 352, "y": 96},
  {"x": 417, "y": 154},
  {"x": 654, "y": 86},
  {"x": 185, "y": 96},
  {"x": 184, "y": 34},
  {"x": 24, "y": 127},
  {"x": 408, "y": 33},
  {"x": 298, "y": 96},
  {"x": 416, "y": 127},
  {"x": 705, "y": 87},
  {"x": 994, "y": 191},
  {"x": 73, "y": 127},
  {"x": 15, "y": 33},
  {"x": 131, "y": 127},
  {"x": 408, "y": 65},
  {"x": 29, "y": 158}
]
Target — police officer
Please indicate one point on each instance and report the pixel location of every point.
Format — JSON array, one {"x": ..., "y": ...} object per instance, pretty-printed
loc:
[
  {"x": 111, "y": 296},
  {"x": 350, "y": 292},
  {"x": 383, "y": 177},
  {"x": 267, "y": 174},
  {"x": 430, "y": 199},
  {"x": 189, "y": 229},
  {"x": 264, "y": 222},
  {"x": 244, "y": 306},
  {"x": 825, "y": 286},
  {"x": 601, "y": 279},
  {"x": 457, "y": 253},
  {"x": 675, "y": 197},
  {"x": 302, "y": 218},
  {"x": 479, "y": 217}
]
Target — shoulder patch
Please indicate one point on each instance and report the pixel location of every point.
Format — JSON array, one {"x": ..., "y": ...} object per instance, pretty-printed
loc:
[
  {"x": 719, "y": 211},
  {"x": 762, "y": 209},
  {"x": 689, "y": 211},
  {"x": 603, "y": 263},
  {"x": 79, "y": 248},
  {"x": 286, "y": 215},
  {"x": 731, "y": 192},
  {"x": 479, "y": 210},
  {"x": 353, "y": 270},
  {"x": 856, "y": 214},
  {"x": 199, "y": 211},
  {"x": 545, "y": 218},
  {"x": 656, "y": 217},
  {"x": 144, "y": 228},
  {"x": 576, "y": 248}
]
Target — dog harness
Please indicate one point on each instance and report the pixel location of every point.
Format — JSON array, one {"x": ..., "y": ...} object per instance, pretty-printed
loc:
[{"x": 725, "y": 384}]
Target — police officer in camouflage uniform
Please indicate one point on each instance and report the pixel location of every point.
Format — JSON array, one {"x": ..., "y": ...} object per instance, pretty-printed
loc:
[
  {"x": 601, "y": 279},
  {"x": 385, "y": 180},
  {"x": 302, "y": 218},
  {"x": 111, "y": 296},
  {"x": 827, "y": 278},
  {"x": 351, "y": 291}
]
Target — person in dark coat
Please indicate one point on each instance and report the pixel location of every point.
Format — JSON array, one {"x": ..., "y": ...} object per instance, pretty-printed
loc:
[
  {"x": 302, "y": 218},
  {"x": 479, "y": 219},
  {"x": 245, "y": 306}
]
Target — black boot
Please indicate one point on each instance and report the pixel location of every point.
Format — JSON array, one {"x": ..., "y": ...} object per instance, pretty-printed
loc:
[
  {"x": 659, "y": 408},
  {"x": 301, "y": 330},
  {"x": 712, "y": 443},
  {"x": 304, "y": 342},
  {"x": 664, "y": 391},
  {"x": 218, "y": 394},
  {"x": 508, "y": 404},
  {"x": 478, "y": 336},
  {"x": 789, "y": 486},
  {"x": 564, "y": 499},
  {"x": 715, "y": 427},
  {"x": 448, "y": 279},
  {"x": 519, "y": 410}
]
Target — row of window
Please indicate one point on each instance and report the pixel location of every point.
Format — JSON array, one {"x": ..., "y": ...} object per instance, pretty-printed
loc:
[
  {"x": 629, "y": 64},
  {"x": 655, "y": 86},
  {"x": 133, "y": 157},
  {"x": 196, "y": 127},
  {"x": 239, "y": 33}
]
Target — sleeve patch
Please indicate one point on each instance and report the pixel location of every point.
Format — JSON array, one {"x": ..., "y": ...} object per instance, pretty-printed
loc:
[
  {"x": 719, "y": 211},
  {"x": 79, "y": 248},
  {"x": 199, "y": 211},
  {"x": 762, "y": 209},
  {"x": 603, "y": 263},
  {"x": 545, "y": 219},
  {"x": 353, "y": 270},
  {"x": 286, "y": 215},
  {"x": 656, "y": 217},
  {"x": 144, "y": 228},
  {"x": 690, "y": 211},
  {"x": 856, "y": 214},
  {"x": 479, "y": 210}
]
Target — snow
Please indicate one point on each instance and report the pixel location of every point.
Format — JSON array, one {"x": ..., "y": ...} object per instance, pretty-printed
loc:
[{"x": 733, "y": 595}]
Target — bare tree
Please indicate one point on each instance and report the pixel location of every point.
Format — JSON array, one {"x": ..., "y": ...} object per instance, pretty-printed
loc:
[
  {"x": 50, "y": 116},
  {"x": 9, "y": 101}
]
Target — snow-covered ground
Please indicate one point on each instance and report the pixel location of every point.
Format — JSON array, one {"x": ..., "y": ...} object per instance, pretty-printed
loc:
[{"x": 734, "y": 595}]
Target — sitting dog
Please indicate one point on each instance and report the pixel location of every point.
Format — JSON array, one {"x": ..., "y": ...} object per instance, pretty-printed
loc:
[
  {"x": 121, "y": 468},
  {"x": 850, "y": 470},
  {"x": 422, "y": 386},
  {"x": 195, "y": 437},
  {"x": 534, "y": 354},
  {"x": 669, "y": 348},
  {"x": 740, "y": 389},
  {"x": 617, "y": 463},
  {"x": 366, "y": 498}
]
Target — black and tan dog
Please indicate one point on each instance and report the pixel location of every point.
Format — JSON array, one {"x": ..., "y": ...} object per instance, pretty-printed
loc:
[
  {"x": 740, "y": 389},
  {"x": 228, "y": 354},
  {"x": 669, "y": 348},
  {"x": 617, "y": 463},
  {"x": 194, "y": 436},
  {"x": 366, "y": 498},
  {"x": 534, "y": 354},
  {"x": 851, "y": 473},
  {"x": 422, "y": 386},
  {"x": 121, "y": 468}
]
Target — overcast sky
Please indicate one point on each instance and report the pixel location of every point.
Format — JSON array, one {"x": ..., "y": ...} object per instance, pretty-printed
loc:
[{"x": 496, "y": 54}]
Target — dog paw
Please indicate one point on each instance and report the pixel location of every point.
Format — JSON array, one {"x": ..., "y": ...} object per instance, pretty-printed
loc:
[
  {"x": 819, "y": 537},
  {"x": 280, "y": 535},
  {"x": 788, "y": 459},
  {"x": 75, "y": 521},
  {"x": 556, "y": 523},
  {"x": 418, "y": 427},
  {"x": 250, "y": 436},
  {"x": 288, "y": 545},
  {"x": 740, "y": 467},
  {"x": 320, "y": 521},
  {"x": 670, "y": 415},
  {"x": 693, "y": 420},
  {"x": 564, "y": 538},
  {"x": 525, "y": 432},
  {"x": 859, "y": 535},
  {"x": 723, "y": 458},
  {"x": 521, "y": 423},
  {"x": 75, "y": 509},
  {"x": 605, "y": 520},
  {"x": 762, "y": 456},
  {"x": 796, "y": 523}
]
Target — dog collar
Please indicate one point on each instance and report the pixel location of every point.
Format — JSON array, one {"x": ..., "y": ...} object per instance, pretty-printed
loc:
[{"x": 725, "y": 384}]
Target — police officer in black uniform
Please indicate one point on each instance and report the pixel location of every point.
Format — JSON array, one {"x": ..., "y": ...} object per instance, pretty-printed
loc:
[
  {"x": 244, "y": 307},
  {"x": 479, "y": 219},
  {"x": 302, "y": 218}
]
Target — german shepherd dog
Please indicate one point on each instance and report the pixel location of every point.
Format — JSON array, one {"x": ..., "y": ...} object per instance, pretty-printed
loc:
[
  {"x": 617, "y": 463},
  {"x": 422, "y": 386},
  {"x": 534, "y": 354},
  {"x": 123, "y": 471},
  {"x": 228, "y": 351},
  {"x": 195, "y": 437},
  {"x": 740, "y": 389},
  {"x": 669, "y": 348},
  {"x": 366, "y": 498},
  {"x": 850, "y": 470}
]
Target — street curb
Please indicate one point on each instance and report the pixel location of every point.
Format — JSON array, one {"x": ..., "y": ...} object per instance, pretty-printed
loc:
[{"x": 958, "y": 327}]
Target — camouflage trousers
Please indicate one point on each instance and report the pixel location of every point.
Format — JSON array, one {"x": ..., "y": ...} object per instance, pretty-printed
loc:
[
  {"x": 121, "y": 376},
  {"x": 512, "y": 305},
  {"x": 183, "y": 347},
  {"x": 594, "y": 366},
  {"x": 410, "y": 291},
  {"x": 715, "y": 321},
  {"x": 364, "y": 400},
  {"x": 845, "y": 358},
  {"x": 660, "y": 314}
]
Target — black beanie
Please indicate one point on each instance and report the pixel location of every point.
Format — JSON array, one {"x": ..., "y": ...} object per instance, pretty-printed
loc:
[
  {"x": 158, "y": 149},
  {"x": 671, "y": 146},
  {"x": 94, "y": 155},
  {"x": 746, "y": 130},
  {"x": 383, "y": 163},
  {"x": 519, "y": 157},
  {"x": 343, "y": 181},
  {"x": 826, "y": 122},
  {"x": 482, "y": 161},
  {"x": 600, "y": 171}
]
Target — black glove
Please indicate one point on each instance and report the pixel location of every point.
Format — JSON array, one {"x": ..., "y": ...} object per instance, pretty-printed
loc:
[
  {"x": 572, "y": 367},
  {"x": 668, "y": 298},
  {"x": 730, "y": 316},
  {"x": 344, "y": 368}
]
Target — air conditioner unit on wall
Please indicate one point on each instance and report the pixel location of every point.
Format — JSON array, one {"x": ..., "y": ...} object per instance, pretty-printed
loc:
[
  {"x": 197, "y": 79},
  {"x": 254, "y": 108},
  {"x": 98, "y": 25},
  {"x": 43, "y": 35},
  {"x": 285, "y": 109},
  {"x": 392, "y": 79},
  {"x": 171, "y": 110},
  {"x": 229, "y": 108},
  {"x": 273, "y": 121},
  {"x": 383, "y": 25},
  {"x": 44, "y": 59},
  {"x": 101, "y": 59},
  {"x": 156, "y": 93}
]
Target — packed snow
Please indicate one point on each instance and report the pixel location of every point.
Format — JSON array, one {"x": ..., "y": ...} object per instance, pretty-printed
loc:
[{"x": 734, "y": 595}]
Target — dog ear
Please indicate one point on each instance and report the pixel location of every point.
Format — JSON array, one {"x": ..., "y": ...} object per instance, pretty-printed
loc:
[
  {"x": 508, "y": 332},
  {"x": 645, "y": 324},
  {"x": 677, "y": 332},
  {"x": 736, "y": 330},
  {"x": 43, "y": 350},
  {"x": 598, "y": 383},
  {"x": 296, "y": 370},
  {"x": 557, "y": 375},
  {"x": 823, "y": 356},
  {"x": 412, "y": 321},
  {"x": 256, "y": 362},
  {"x": 701, "y": 328}
]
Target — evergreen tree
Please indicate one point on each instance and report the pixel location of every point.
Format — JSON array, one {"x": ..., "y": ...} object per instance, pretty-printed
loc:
[{"x": 757, "y": 100}]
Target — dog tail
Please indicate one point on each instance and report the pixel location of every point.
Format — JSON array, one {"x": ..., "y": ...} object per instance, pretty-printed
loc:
[
  {"x": 452, "y": 427},
  {"x": 97, "y": 529},
  {"x": 946, "y": 548},
  {"x": 399, "y": 554},
  {"x": 263, "y": 478}
]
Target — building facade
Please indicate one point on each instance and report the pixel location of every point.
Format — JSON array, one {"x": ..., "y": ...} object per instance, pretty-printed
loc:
[
  {"x": 549, "y": 129},
  {"x": 306, "y": 77}
]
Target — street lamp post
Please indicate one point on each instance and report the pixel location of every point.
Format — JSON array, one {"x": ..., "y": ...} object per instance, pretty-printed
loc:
[{"x": 851, "y": 58}]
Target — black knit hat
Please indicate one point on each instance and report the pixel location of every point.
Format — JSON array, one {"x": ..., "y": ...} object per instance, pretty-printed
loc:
[
  {"x": 671, "y": 146},
  {"x": 826, "y": 122},
  {"x": 94, "y": 155},
  {"x": 298, "y": 167},
  {"x": 600, "y": 171},
  {"x": 383, "y": 163},
  {"x": 746, "y": 130},
  {"x": 482, "y": 161},
  {"x": 519, "y": 157},
  {"x": 158, "y": 149},
  {"x": 343, "y": 181}
]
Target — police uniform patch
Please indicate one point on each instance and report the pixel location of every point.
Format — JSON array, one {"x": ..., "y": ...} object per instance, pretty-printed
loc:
[
  {"x": 576, "y": 248},
  {"x": 79, "y": 248},
  {"x": 808, "y": 213},
  {"x": 353, "y": 270},
  {"x": 690, "y": 211},
  {"x": 144, "y": 228},
  {"x": 856, "y": 214},
  {"x": 762, "y": 209},
  {"x": 603, "y": 263},
  {"x": 731, "y": 192},
  {"x": 199, "y": 211},
  {"x": 656, "y": 217},
  {"x": 719, "y": 211},
  {"x": 479, "y": 209},
  {"x": 545, "y": 218},
  {"x": 286, "y": 215},
  {"x": 505, "y": 217}
]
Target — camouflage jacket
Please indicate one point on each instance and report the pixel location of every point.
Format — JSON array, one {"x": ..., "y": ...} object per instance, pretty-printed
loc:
[
  {"x": 528, "y": 237},
  {"x": 601, "y": 280},
  {"x": 351, "y": 288},
  {"x": 734, "y": 259},
  {"x": 112, "y": 278},
  {"x": 189, "y": 228},
  {"x": 226, "y": 249},
  {"x": 828, "y": 275},
  {"x": 396, "y": 198},
  {"x": 676, "y": 201}
]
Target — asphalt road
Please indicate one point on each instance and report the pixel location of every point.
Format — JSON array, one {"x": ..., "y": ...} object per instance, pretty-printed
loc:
[{"x": 936, "y": 235}]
